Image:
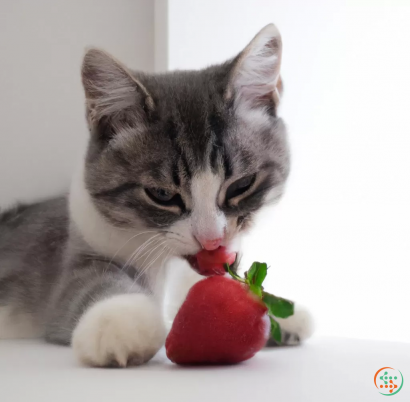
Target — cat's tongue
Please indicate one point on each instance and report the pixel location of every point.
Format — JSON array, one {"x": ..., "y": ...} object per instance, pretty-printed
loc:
[{"x": 208, "y": 263}]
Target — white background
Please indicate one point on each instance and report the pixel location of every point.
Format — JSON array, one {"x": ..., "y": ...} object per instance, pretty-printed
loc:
[{"x": 339, "y": 242}]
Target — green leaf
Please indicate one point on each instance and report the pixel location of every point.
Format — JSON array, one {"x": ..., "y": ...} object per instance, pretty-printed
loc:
[
  {"x": 275, "y": 331},
  {"x": 278, "y": 306},
  {"x": 261, "y": 274},
  {"x": 257, "y": 273},
  {"x": 257, "y": 290},
  {"x": 252, "y": 272}
]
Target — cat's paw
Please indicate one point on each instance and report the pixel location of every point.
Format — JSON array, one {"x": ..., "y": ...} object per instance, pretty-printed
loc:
[
  {"x": 120, "y": 331},
  {"x": 296, "y": 328}
]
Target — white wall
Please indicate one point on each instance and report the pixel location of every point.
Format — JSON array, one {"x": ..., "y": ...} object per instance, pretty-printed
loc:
[
  {"x": 340, "y": 240},
  {"x": 42, "y": 124}
]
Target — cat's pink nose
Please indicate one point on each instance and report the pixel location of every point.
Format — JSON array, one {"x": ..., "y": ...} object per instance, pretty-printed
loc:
[{"x": 210, "y": 244}]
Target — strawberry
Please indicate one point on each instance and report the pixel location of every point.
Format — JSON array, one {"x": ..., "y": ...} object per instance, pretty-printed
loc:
[
  {"x": 220, "y": 322},
  {"x": 225, "y": 320},
  {"x": 211, "y": 262}
]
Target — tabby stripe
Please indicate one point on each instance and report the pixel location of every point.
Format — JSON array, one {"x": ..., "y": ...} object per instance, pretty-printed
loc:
[
  {"x": 227, "y": 165},
  {"x": 113, "y": 192},
  {"x": 175, "y": 174}
]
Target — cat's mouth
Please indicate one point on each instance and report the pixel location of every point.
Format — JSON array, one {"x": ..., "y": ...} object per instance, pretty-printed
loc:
[{"x": 211, "y": 262}]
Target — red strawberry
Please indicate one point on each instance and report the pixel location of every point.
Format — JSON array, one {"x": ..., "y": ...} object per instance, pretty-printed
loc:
[
  {"x": 224, "y": 320},
  {"x": 220, "y": 322},
  {"x": 211, "y": 262}
]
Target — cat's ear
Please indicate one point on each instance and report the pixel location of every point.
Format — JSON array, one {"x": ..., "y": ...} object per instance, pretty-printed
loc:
[
  {"x": 110, "y": 89},
  {"x": 255, "y": 78}
]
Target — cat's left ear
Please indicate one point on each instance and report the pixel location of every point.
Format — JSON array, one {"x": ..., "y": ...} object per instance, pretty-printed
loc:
[
  {"x": 255, "y": 78},
  {"x": 111, "y": 91}
]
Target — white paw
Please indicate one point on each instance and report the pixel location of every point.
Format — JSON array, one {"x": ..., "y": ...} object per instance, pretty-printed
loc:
[
  {"x": 119, "y": 331},
  {"x": 300, "y": 324}
]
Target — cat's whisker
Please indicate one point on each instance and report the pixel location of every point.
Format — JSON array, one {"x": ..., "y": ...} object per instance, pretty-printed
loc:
[
  {"x": 136, "y": 256},
  {"x": 150, "y": 250},
  {"x": 156, "y": 247},
  {"x": 131, "y": 238},
  {"x": 143, "y": 270},
  {"x": 138, "y": 250},
  {"x": 175, "y": 233},
  {"x": 155, "y": 259},
  {"x": 164, "y": 260},
  {"x": 141, "y": 253},
  {"x": 130, "y": 259}
]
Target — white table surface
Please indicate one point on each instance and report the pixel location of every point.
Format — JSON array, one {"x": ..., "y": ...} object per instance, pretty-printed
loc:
[{"x": 324, "y": 369}]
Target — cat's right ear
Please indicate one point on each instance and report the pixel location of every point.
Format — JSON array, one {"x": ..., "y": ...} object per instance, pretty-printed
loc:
[
  {"x": 255, "y": 81},
  {"x": 112, "y": 94}
]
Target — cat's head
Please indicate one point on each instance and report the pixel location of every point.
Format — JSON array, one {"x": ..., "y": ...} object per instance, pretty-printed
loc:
[{"x": 193, "y": 154}]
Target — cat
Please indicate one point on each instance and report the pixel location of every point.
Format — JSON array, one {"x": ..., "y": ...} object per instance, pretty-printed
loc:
[{"x": 176, "y": 162}]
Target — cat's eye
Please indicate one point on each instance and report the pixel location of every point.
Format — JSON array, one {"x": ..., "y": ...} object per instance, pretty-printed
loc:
[
  {"x": 159, "y": 195},
  {"x": 166, "y": 198},
  {"x": 240, "y": 186}
]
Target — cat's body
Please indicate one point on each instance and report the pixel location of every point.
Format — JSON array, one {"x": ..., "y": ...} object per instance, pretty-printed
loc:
[{"x": 176, "y": 162}]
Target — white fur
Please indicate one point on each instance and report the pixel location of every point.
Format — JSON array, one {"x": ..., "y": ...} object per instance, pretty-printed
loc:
[
  {"x": 207, "y": 221},
  {"x": 122, "y": 330},
  {"x": 14, "y": 324},
  {"x": 109, "y": 240},
  {"x": 184, "y": 243},
  {"x": 181, "y": 277},
  {"x": 266, "y": 320},
  {"x": 96, "y": 231},
  {"x": 300, "y": 323}
]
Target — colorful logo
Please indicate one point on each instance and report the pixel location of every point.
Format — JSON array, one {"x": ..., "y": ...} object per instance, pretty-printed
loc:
[{"x": 388, "y": 381}]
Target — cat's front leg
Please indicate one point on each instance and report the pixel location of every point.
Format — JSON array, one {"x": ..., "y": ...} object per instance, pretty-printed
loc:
[
  {"x": 119, "y": 331},
  {"x": 108, "y": 319}
]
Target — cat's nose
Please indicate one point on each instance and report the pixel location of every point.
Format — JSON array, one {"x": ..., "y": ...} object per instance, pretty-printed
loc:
[{"x": 210, "y": 244}]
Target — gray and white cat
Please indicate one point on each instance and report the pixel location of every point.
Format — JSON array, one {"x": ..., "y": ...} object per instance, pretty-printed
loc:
[{"x": 176, "y": 162}]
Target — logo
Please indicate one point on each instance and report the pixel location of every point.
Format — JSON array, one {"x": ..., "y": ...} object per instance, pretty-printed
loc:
[{"x": 388, "y": 381}]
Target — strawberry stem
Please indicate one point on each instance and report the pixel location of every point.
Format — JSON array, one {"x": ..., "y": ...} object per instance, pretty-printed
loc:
[
  {"x": 277, "y": 306},
  {"x": 234, "y": 276}
]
